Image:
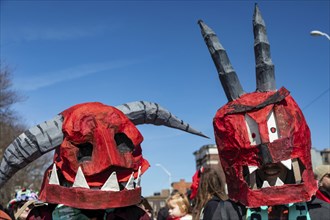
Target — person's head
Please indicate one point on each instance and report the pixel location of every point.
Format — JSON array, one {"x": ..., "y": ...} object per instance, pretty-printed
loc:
[
  {"x": 98, "y": 154},
  {"x": 178, "y": 205},
  {"x": 211, "y": 183},
  {"x": 259, "y": 131},
  {"x": 19, "y": 204},
  {"x": 322, "y": 174}
]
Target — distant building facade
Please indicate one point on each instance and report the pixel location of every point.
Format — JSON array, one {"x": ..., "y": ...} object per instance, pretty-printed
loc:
[
  {"x": 320, "y": 157},
  {"x": 325, "y": 154},
  {"x": 316, "y": 157},
  {"x": 158, "y": 200},
  {"x": 207, "y": 156},
  {"x": 182, "y": 186}
]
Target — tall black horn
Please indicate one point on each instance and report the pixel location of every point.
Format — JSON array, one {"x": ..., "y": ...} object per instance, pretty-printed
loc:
[
  {"x": 151, "y": 113},
  {"x": 29, "y": 146},
  {"x": 265, "y": 75},
  {"x": 227, "y": 74}
]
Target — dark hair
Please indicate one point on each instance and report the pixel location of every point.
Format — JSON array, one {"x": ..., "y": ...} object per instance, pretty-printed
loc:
[{"x": 210, "y": 184}]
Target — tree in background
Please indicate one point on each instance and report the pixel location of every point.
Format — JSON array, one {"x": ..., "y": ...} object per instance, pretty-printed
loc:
[{"x": 11, "y": 126}]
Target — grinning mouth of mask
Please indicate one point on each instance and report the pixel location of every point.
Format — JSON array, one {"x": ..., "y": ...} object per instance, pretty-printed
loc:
[
  {"x": 257, "y": 177},
  {"x": 111, "y": 184}
]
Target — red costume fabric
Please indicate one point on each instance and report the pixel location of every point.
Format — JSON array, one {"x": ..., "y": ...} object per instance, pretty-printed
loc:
[
  {"x": 195, "y": 183},
  {"x": 242, "y": 145},
  {"x": 100, "y": 140},
  {"x": 320, "y": 195}
]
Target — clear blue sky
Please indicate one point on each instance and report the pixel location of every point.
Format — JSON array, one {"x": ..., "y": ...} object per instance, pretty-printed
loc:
[{"x": 68, "y": 52}]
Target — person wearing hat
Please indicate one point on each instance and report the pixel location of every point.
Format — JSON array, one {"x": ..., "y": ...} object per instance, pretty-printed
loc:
[
  {"x": 263, "y": 141},
  {"x": 322, "y": 174},
  {"x": 23, "y": 202},
  {"x": 98, "y": 162}
]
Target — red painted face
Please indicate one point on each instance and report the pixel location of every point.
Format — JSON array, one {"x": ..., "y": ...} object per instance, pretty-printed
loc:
[
  {"x": 264, "y": 145},
  {"x": 99, "y": 139}
]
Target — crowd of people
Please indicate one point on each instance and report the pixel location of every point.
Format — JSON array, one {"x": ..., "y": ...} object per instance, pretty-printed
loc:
[{"x": 208, "y": 201}]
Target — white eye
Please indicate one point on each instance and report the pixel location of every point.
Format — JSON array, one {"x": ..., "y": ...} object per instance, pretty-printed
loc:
[
  {"x": 253, "y": 130},
  {"x": 272, "y": 127}
]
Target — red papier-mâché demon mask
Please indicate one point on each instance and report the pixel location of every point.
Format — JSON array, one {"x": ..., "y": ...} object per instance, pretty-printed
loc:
[
  {"x": 263, "y": 139},
  {"x": 98, "y": 159}
]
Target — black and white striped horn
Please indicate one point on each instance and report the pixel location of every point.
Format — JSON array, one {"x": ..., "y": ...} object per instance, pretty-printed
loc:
[
  {"x": 265, "y": 75},
  {"x": 227, "y": 74},
  {"x": 143, "y": 112},
  {"x": 29, "y": 146}
]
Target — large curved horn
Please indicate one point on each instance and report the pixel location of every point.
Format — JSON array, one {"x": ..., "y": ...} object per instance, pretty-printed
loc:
[
  {"x": 227, "y": 74},
  {"x": 265, "y": 75},
  {"x": 151, "y": 113},
  {"x": 29, "y": 146}
]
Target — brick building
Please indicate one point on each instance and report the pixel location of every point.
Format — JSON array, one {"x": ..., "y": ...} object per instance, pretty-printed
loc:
[
  {"x": 181, "y": 186},
  {"x": 325, "y": 154},
  {"x": 207, "y": 156}
]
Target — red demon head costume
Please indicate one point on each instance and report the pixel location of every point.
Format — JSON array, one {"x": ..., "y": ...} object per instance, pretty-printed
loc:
[
  {"x": 98, "y": 157},
  {"x": 263, "y": 140}
]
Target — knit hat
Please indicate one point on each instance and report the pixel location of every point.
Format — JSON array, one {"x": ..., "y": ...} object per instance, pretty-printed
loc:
[
  {"x": 320, "y": 171},
  {"x": 22, "y": 195}
]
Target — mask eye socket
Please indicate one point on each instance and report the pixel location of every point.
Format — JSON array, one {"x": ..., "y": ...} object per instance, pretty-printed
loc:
[
  {"x": 272, "y": 127},
  {"x": 85, "y": 151},
  {"x": 124, "y": 144},
  {"x": 253, "y": 130}
]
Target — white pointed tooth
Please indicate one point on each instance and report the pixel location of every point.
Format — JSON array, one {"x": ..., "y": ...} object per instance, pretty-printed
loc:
[
  {"x": 252, "y": 168},
  {"x": 130, "y": 183},
  {"x": 53, "y": 179},
  {"x": 287, "y": 163},
  {"x": 111, "y": 184},
  {"x": 265, "y": 184},
  {"x": 80, "y": 180},
  {"x": 279, "y": 182},
  {"x": 138, "y": 179}
]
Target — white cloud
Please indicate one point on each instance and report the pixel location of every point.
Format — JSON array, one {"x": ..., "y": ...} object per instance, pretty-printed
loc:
[{"x": 37, "y": 81}]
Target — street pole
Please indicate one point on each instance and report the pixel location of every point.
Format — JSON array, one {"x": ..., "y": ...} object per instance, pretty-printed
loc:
[
  {"x": 169, "y": 175},
  {"x": 319, "y": 33}
]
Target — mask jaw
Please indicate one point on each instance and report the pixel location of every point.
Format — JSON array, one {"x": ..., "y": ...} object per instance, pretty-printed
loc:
[{"x": 112, "y": 194}]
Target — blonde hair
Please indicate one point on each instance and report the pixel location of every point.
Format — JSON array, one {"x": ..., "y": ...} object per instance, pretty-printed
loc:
[{"x": 181, "y": 200}]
